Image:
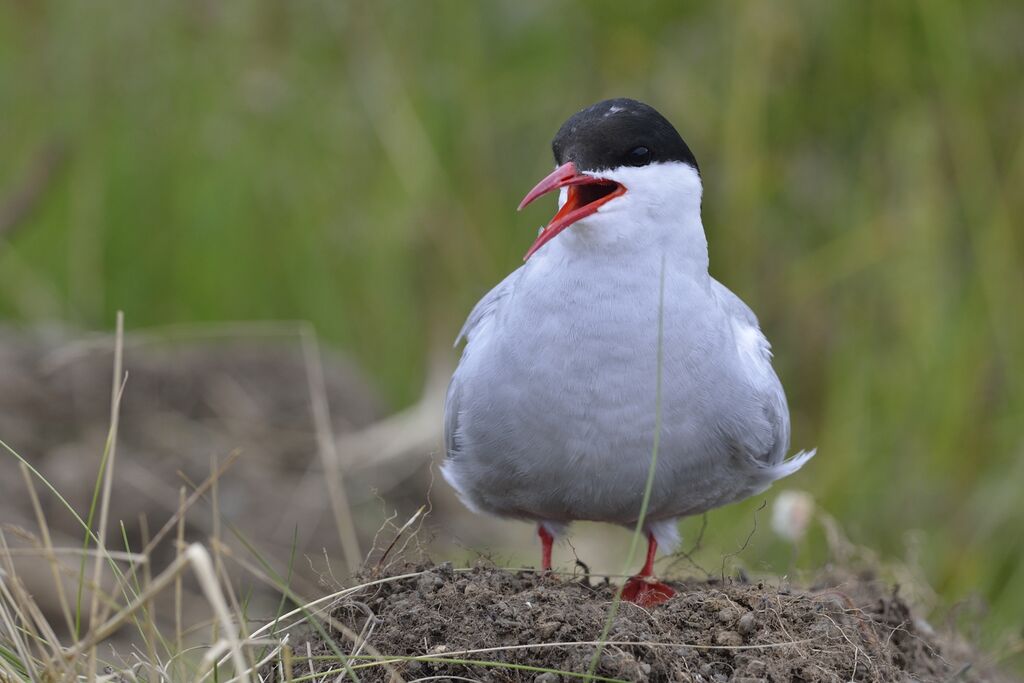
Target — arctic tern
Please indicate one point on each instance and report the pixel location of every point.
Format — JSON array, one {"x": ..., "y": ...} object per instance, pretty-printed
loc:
[{"x": 551, "y": 413}]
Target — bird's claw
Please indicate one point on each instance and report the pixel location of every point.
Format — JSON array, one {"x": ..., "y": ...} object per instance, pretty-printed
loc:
[{"x": 646, "y": 591}]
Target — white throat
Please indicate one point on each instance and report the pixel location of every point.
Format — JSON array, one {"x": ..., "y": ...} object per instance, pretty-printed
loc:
[{"x": 659, "y": 211}]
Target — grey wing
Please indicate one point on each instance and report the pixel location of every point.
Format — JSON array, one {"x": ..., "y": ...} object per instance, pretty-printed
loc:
[
  {"x": 485, "y": 308},
  {"x": 733, "y": 306},
  {"x": 475, "y": 325},
  {"x": 762, "y": 434},
  {"x": 451, "y": 418},
  {"x": 776, "y": 412}
]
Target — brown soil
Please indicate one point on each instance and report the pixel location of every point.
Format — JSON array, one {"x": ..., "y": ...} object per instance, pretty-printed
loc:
[{"x": 842, "y": 628}]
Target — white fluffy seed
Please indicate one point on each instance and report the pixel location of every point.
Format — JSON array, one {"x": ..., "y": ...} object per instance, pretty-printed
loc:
[{"x": 792, "y": 512}]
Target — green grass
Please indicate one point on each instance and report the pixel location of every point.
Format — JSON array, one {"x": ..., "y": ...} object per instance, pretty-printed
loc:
[{"x": 359, "y": 165}]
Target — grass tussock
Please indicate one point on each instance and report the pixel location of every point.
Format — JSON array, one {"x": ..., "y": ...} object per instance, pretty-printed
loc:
[{"x": 114, "y": 589}]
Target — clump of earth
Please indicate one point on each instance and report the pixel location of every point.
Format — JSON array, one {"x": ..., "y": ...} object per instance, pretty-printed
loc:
[{"x": 517, "y": 624}]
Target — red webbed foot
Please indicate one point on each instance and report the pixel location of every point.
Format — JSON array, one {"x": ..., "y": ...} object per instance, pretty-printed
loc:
[{"x": 643, "y": 589}]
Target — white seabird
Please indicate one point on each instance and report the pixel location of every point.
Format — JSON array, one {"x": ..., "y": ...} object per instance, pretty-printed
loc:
[{"x": 550, "y": 415}]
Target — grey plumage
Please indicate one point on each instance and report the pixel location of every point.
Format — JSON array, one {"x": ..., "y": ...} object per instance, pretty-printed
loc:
[{"x": 550, "y": 414}]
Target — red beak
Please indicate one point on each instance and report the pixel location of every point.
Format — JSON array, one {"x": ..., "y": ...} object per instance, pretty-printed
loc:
[{"x": 581, "y": 202}]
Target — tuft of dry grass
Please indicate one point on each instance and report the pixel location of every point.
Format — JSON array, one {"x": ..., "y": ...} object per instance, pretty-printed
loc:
[{"x": 121, "y": 585}]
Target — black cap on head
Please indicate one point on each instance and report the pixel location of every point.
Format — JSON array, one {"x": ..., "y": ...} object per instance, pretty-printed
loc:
[{"x": 619, "y": 132}]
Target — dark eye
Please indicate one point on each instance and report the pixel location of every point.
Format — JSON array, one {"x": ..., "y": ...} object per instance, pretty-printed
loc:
[{"x": 639, "y": 156}]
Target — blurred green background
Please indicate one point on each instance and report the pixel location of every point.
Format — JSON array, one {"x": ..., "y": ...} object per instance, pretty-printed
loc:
[{"x": 358, "y": 165}]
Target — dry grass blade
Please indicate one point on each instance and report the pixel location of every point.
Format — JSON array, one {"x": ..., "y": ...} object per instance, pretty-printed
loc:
[
  {"x": 218, "y": 550},
  {"x": 51, "y": 556},
  {"x": 199, "y": 559},
  {"x": 309, "y": 612},
  {"x": 117, "y": 555},
  {"x": 398, "y": 534},
  {"x": 24, "y": 617},
  {"x": 286, "y": 663},
  {"x": 12, "y": 632},
  {"x": 328, "y": 451},
  {"x": 208, "y": 580},
  {"x": 591, "y": 643},
  {"x": 152, "y": 633},
  {"x": 178, "y": 518},
  {"x": 177, "y": 580},
  {"x": 328, "y": 600},
  {"x": 117, "y": 388}
]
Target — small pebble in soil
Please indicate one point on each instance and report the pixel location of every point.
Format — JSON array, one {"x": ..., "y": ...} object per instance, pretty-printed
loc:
[
  {"x": 729, "y": 638},
  {"x": 428, "y": 583},
  {"x": 548, "y": 629},
  {"x": 747, "y": 624}
]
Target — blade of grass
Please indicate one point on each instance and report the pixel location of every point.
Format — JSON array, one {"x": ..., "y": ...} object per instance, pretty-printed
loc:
[
  {"x": 18, "y": 656},
  {"x": 22, "y": 635},
  {"x": 91, "y": 535},
  {"x": 272, "y": 579},
  {"x": 107, "y": 476},
  {"x": 149, "y": 635},
  {"x": 51, "y": 556},
  {"x": 116, "y": 555},
  {"x": 613, "y": 610},
  {"x": 288, "y": 581},
  {"x": 152, "y": 633},
  {"x": 85, "y": 526},
  {"x": 179, "y": 547},
  {"x": 102, "y": 488},
  {"x": 178, "y": 518},
  {"x": 217, "y": 548},
  {"x": 590, "y": 643},
  {"x": 286, "y": 664},
  {"x": 328, "y": 450},
  {"x": 13, "y": 666},
  {"x": 137, "y": 586},
  {"x": 198, "y": 558},
  {"x": 275, "y": 580},
  {"x": 473, "y": 662},
  {"x": 398, "y": 534}
]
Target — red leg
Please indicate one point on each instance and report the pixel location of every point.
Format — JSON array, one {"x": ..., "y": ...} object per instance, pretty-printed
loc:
[
  {"x": 644, "y": 589},
  {"x": 652, "y": 550},
  {"x": 546, "y": 539}
]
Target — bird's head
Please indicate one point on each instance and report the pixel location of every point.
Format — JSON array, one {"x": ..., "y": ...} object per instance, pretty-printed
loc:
[{"x": 617, "y": 156}]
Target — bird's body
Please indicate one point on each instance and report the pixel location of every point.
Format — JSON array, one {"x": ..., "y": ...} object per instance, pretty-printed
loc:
[{"x": 551, "y": 414}]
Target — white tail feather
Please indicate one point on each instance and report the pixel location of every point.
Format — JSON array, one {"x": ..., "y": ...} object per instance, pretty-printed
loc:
[{"x": 788, "y": 467}]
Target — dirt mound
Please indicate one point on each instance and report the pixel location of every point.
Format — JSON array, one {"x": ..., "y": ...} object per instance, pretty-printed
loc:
[{"x": 840, "y": 629}]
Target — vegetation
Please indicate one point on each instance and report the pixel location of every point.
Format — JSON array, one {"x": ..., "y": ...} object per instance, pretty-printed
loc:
[{"x": 358, "y": 165}]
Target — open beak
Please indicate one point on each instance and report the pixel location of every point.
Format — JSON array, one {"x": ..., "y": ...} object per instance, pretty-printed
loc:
[{"x": 587, "y": 194}]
